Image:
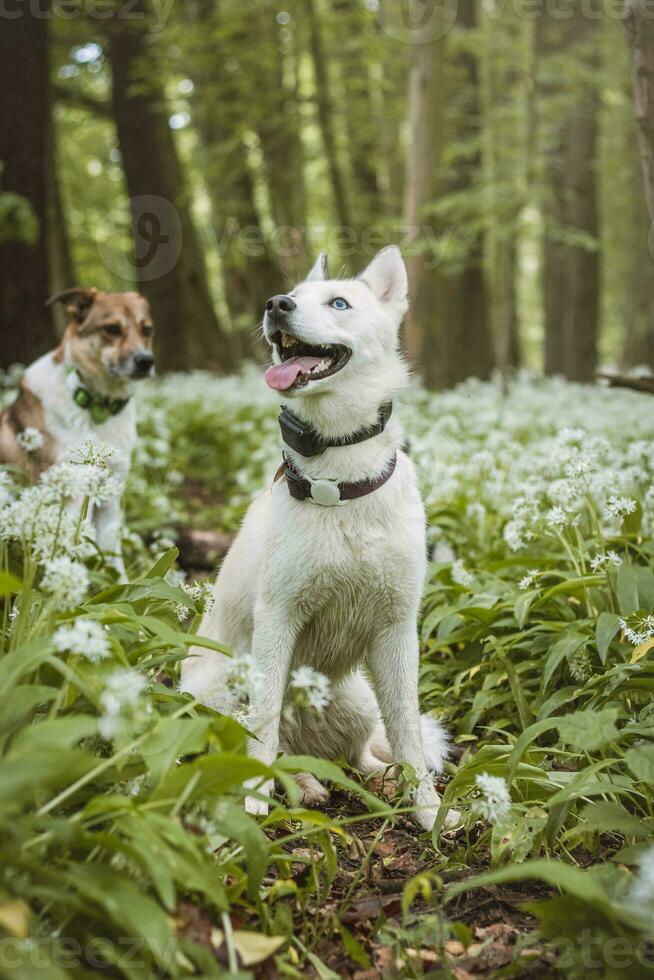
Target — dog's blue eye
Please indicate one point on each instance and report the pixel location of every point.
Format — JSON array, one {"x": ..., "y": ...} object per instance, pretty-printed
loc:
[{"x": 340, "y": 304}]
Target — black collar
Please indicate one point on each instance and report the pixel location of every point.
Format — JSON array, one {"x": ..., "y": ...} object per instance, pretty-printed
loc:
[
  {"x": 329, "y": 493},
  {"x": 303, "y": 438}
]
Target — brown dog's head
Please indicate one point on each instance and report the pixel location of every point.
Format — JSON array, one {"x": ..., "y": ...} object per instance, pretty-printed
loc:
[{"x": 109, "y": 335}]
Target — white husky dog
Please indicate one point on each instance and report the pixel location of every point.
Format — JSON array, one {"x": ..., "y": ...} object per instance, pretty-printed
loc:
[{"x": 327, "y": 570}]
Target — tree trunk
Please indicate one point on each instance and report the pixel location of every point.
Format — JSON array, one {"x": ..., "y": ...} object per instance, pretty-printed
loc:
[
  {"x": 639, "y": 26},
  {"x": 278, "y": 129},
  {"x": 448, "y": 332},
  {"x": 169, "y": 258},
  {"x": 571, "y": 272},
  {"x": 426, "y": 114},
  {"x": 60, "y": 260},
  {"x": 26, "y": 328},
  {"x": 326, "y": 115},
  {"x": 249, "y": 270},
  {"x": 357, "y": 60}
]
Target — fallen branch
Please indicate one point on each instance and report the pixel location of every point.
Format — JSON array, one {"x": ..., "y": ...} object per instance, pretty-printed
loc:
[{"x": 644, "y": 383}]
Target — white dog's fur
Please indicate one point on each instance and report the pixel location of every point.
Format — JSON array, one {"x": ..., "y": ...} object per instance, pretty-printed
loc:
[
  {"x": 336, "y": 588},
  {"x": 68, "y": 426}
]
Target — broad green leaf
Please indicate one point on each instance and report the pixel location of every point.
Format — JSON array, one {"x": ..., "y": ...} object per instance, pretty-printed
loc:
[
  {"x": 589, "y": 730},
  {"x": 563, "y": 649},
  {"x": 608, "y": 625},
  {"x": 9, "y": 584},
  {"x": 640, "y": 759},
  {"x": 627, "y": 586}
]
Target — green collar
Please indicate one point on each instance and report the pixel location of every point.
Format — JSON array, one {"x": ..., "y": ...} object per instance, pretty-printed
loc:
[{"x": 99, "y": 407}]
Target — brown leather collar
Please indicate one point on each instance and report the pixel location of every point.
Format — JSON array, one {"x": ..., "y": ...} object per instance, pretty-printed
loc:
[
  {"x": 328, "y": 493},
  {"x": 305, "y": 440}
]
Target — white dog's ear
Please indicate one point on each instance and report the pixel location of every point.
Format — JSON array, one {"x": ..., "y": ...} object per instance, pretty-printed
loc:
[
  {"x": 386, "y": 276},
  {"x": 320, "y": 270}
]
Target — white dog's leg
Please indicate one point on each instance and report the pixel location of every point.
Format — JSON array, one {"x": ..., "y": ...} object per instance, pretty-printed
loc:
[
  {"x": 108, "y": 520},
  {"x": 393, "y": 663},
  {"x": 313, "y": 791},
  {"x": 272, "y": 650}
]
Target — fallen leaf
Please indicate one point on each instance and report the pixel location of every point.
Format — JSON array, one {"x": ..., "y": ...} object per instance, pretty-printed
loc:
[{"x": 14, "y": 916}]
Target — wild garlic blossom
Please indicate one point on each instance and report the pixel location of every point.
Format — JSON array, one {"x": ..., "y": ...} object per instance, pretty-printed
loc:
[
  {"x": 461, "y": 575},
  {"x": 85, "y": 637},
  {"x": 310, "y": 689},
  {"x": 67, "y": 581},
  {"x": 30, "y": 439},
  {"x": 119, "y": 699},
  {"x": 638, "y": 629},
  {"x": 528, "y": 579},
  {"x": 495, "y": 801},
  {"x": 602, "y": 561},
  {"x": 92, "y": 452}
]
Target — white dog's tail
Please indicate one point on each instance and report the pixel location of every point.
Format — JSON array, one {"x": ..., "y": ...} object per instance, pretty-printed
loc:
[{"x": 435, "y": 740}]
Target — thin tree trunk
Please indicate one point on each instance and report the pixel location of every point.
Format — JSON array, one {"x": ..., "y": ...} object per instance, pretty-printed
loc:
[
  {"x": 26, "y": 328},
  {"x": 357, "y": 62},
  {"x": 639, "y": 26},
  {"x": 326, "y": 115},
  {"x": 188, "y": 331},
  {"x": 448, "y": 333},
  {"x": 278, "y": 129},
  {"x": 426, "y": 113},
  {"x": 571, "y": 273},
  {"x": 250, "y": 272},
  {"x": 60, "y": 260}
]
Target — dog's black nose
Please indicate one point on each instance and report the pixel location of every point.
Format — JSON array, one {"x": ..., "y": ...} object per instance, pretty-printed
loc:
[
  {"x": 143, "y": 363},
  {"x": 278, "y": 307}
]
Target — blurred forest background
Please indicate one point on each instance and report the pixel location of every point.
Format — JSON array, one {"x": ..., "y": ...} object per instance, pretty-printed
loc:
[{"x": 203, "y": 151}]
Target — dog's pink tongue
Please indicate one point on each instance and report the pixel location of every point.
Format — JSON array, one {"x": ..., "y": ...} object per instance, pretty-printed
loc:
[{"x": 280, "y": 377}]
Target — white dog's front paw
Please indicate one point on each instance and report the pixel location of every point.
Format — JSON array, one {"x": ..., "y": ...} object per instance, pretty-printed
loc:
[
  {"x": 258, "y": 808},
  {"x": 254, "y": 805},
  {"x": 452, "y": 820},
  {"x": 313, "y": 791}
]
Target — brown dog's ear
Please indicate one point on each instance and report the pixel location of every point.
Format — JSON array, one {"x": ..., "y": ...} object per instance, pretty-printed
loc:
[{"x": 78, "y": 301}]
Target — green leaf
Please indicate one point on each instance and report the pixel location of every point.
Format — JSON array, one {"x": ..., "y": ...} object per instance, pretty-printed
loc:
[
  {"x": 608, "y": 625},
  {"x": 9, "y": 584},
  {"x": 163, "y": 564},
  {"x": 589, "y": 730},
  {"x": 171, "y": 738},
  {"x": 571, "y": 880},
  {"x": 563, "y": 649},
  {"x": 522, "y": 606},
  {"x": 627, "y": 587},
  {"x": 640, "y": 759}
]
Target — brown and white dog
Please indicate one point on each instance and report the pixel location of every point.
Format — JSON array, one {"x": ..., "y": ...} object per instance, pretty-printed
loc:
[{"x": 83, "y": 389}]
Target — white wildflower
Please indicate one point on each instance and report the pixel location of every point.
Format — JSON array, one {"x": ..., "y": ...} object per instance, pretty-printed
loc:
[
  {"x": 67, "y": 581},
  {"x": 601, "y": 561},
  {"x": 93, "y": 452},
  {"x": 30, "y": 439},
  {"x": 461, "y": 575},
  {"x": 85, "y": 637},
  {"x": 495, "y": 801},
  {"x": 637, "y": 629},
  {"x": 121, "y": 696},
  {"x": 312, "y": 688},
  {"x": 528, "y": 580},
  {"x": 556, "y": 517},
  {"x": 618, "y": 507}
]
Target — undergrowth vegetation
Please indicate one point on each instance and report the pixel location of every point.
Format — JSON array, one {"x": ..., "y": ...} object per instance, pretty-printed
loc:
[{"x": 124, "y": 844}]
